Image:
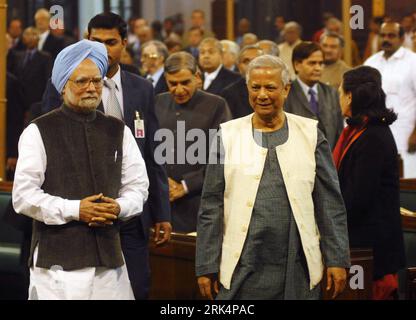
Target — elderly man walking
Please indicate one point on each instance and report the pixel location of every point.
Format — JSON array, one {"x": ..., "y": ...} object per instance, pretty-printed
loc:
[{"x": 79, "y": 172}]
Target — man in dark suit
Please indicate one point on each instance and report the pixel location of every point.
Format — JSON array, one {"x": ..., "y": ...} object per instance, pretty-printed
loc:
[
  {"x": 236, "y": 94},
  {"x": 131, "y": 98},
  {"x": 48, "y": 42},
  {"x": 195, "y": 35},
  {"x": 308, "y": 97},
  {"x": 185, "y": 110},
  {"x": 154, "y": 54},
  {"x": 15, "y": 31},
  {"x": 216, "y": 76},
  {"x": 33, "y": 68}
]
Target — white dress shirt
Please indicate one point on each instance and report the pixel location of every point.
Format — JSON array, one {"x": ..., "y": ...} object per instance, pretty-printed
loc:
[
  {"x": 119, "y": 91},
  {"x": 156, "y": 76},
  {"x": 42, "y": 39},
  {"x": 399, "y": 84},
  {"x": 209, "y": 77},
  {"x": 29, "y": 199}
]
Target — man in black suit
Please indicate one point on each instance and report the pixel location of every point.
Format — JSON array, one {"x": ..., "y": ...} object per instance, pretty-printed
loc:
[
  {"x": 236, "y": 94},
  {"x": 154, "y": 54},
  {"x": 216, "y": 76},
  {"x": 48, "y": 42},
  {"x": 184, "y": 111},
  {"x": 15, "y": 31},
  {"x": 195, "y": 36},
  {"x": 308, "y": 97},
  {"x": 132, "y": 97},
  {"x": 33, "y": 68}
]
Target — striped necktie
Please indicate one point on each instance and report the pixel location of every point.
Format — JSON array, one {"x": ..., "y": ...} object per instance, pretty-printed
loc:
[{"x": 113, "y": 106}]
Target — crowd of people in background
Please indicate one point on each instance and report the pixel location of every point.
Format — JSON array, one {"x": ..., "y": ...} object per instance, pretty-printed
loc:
[{"x": 191, "y": 68}]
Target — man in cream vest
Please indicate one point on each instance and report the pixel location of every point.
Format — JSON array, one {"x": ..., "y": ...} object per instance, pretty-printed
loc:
[{"x": 272, "y": 216}]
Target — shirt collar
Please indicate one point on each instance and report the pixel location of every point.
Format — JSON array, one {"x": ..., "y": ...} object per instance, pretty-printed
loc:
[
  {"x": 156, "y": 76},
  {"x": 45, "y": 34},
  {"x": 116, "y": 78},
  {"x": 214, "y": 74},
  {"x": 306, "y": 88}
]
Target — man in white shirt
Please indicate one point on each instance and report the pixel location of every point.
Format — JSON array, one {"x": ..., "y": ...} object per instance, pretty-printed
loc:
[
  {"x": 154, "y": 54},
  {"x": 79, "y": 172},
  {"x": 292, "y": 34},
  {"x": 397, "y": 66}
]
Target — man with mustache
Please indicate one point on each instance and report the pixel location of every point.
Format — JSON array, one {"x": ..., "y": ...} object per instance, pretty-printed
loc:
[
  {"x": 397, "y": 66},
  {"x": 78, "y": 174},
  {"x": 309, "y": 97}
]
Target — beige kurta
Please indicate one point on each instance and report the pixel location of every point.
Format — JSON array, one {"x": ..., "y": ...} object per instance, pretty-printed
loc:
[{"x": 332, "y": 73}]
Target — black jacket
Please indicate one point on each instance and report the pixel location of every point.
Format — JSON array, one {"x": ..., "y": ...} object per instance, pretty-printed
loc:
[
  {"x": 224, "y": 78},
  {"x": 53, "y": 45},
  {"x": 369, "y": 180},
  {"x": 236, "y": 96},
  {"x": 33, "y": 75}
]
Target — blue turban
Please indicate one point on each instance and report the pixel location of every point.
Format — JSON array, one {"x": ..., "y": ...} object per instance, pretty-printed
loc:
[{"x": 72, "y": 56}]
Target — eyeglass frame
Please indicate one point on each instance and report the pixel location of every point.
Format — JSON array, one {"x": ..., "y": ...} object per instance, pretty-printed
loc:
[{"x": 88, "y": 82}]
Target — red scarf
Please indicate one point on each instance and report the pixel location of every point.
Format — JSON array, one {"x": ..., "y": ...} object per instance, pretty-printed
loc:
[{"x": 346, "y": 139}]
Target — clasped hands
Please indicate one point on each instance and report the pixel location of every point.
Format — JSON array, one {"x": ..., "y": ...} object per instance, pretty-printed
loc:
[{"x": 98, "y": 214}]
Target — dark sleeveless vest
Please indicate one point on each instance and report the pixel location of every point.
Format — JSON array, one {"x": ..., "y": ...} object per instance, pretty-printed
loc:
[{"x": 84, "y": 157}]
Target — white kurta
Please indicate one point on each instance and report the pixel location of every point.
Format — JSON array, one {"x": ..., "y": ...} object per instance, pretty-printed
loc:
[
  {"x": 399, "y": 84},
  {"x": 29, "y": 199}
]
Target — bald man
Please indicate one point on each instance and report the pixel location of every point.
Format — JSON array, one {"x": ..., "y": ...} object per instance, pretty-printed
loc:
[{"x": 78, "y": 174}]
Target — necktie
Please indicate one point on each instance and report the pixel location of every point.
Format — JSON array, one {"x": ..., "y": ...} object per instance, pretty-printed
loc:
[
  {"x": 149, "y": 77},
  {"x": 28, "y": 57},
  {"x": 313, "y": 103},
  {"x": 113, "y": 106}
]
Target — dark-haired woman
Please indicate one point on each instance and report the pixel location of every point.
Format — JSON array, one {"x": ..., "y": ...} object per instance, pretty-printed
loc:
[{"x": 366, "y": 159}]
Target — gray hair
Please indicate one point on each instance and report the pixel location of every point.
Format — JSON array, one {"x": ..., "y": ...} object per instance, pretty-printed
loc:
[
  {"x": 215, "y": 42},
  {"x": 274, "y": 48},
  {"x": 333, "y": 35},
  {"x": 233, "y": 47},
  {"x": 249, "y": 47},
  {"x": 272, "y": 62},
  {"x": 180, "y": 60},
  {"x": 293, "y": 24},
  {"x": 161, "y": 48},
  {"x": 249, "y": 36}
]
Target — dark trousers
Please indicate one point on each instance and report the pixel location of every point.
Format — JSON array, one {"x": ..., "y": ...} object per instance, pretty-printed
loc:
[{"x": 134, "y": 244}]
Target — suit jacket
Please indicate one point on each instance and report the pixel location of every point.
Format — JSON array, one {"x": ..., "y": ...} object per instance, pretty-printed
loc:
[
  {"x": 204, "y": 111},
  {"x": 15, "y": 114},
  {"x": 369, "y": 181},
  {"x": 33, "y": 75},
  {"x": 224, "y": 78},
  {"x": 236, "y": 96},
  {"x": 330, "y": 118},
  {"x": 161, "y": 85},
  {"x": 138, "y": 96},
  {"x": 53, "y": 45}
]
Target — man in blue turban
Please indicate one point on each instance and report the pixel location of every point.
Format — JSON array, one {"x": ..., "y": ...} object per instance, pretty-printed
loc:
[{"x": 79, "y": 173}]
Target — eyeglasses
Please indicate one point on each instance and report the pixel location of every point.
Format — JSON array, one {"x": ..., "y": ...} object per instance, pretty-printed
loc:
[
  {"x": 84, "y": 83},
  {"x": 389, "y": 35},
  {"x": 150, "y": 56}
]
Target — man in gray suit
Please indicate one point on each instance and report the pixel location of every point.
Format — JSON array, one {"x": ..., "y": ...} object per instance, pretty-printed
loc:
[
  {"x": 308, "y": 97},
  {"x": 191, "y": 118}
]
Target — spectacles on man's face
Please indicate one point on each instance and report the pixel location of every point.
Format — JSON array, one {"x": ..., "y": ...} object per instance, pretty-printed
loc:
[
  {"x": 389, "y": 35},
  {"x": 152, "y": 56},
  {"x": 84, "y": 83}
]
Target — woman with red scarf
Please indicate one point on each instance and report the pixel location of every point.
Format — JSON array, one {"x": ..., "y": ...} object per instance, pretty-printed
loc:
[{"x": 367, "y": 162}]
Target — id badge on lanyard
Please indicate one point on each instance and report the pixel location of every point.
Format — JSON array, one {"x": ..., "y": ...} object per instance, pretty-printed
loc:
[{"x": 139, "y": 127}]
